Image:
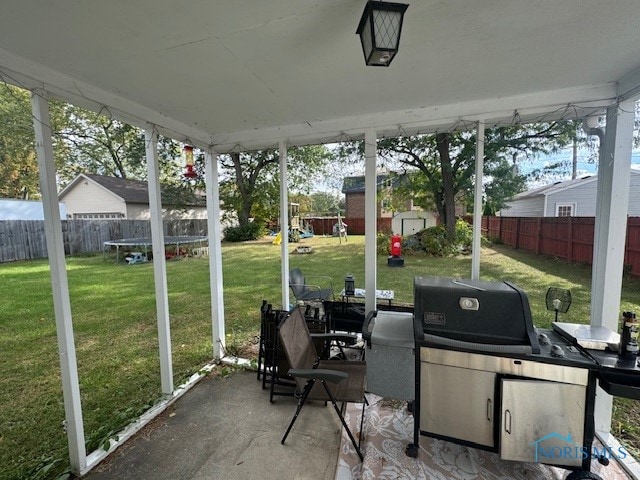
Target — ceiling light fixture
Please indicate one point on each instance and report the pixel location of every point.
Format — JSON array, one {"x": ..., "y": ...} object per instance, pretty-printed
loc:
[{"x": 379, "y": 31}]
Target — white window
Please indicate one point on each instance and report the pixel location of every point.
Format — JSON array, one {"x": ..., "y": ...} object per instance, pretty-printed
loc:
[
  {"x": 565, "y": 209},
  {"x": 104, "y": 216}
]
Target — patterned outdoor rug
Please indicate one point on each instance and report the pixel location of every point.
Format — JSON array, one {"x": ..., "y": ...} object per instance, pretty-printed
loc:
[{"x": 389, "y": 428}]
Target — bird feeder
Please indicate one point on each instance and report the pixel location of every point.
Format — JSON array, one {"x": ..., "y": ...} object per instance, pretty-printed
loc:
[{"x": 189, "y": 172}]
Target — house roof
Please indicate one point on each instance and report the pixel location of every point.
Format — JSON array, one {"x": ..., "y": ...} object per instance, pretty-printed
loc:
[
  {"x": 560, "y": 186},
  {"x": 244, "y": 75},
  {"x": 131, "y": 191},
  {"x": 356, "y": 184}
]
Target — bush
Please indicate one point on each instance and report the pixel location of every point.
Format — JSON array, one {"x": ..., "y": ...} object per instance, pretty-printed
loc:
[
  {"x": 464, "y": 235},
  {"x": 243, "y": 233},
  {"x": 383, "y": 241},
  {"x": 433, "y": 240}
]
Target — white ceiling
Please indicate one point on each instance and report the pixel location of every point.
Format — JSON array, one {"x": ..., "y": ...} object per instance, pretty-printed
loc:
[{"x": 251, "y": 73}]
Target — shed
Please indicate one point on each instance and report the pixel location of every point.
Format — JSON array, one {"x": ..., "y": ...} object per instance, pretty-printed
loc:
[
  {"x": 412, "y": 221},
  {"x": 571, "y": 198}
]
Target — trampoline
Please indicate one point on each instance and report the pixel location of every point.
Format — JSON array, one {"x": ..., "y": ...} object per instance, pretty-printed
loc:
[{"x": 145, "y": 243}]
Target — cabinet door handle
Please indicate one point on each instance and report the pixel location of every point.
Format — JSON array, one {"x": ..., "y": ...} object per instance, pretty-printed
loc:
[
  {"x": 489, "y": 409},
  {"x": 507, "y": 421}
]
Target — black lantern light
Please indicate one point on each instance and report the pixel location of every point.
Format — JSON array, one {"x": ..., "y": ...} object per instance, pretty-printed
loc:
[
  {"x": 379, "y": 31},
  {"x": 349, "y": 285}
]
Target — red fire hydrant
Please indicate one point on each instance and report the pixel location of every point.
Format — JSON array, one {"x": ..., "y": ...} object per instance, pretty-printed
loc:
[{"x": 395, "y": 259}]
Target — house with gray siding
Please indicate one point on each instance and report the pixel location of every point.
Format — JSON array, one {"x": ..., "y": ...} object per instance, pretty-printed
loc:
[
  {"x": 571, "y": 198},
  {"x": 99, "y": 197}
]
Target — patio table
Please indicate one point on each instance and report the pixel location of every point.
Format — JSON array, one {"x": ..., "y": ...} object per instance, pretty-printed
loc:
[{"x": 360, "y": 293}]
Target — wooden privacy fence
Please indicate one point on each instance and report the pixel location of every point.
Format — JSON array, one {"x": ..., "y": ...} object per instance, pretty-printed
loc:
[
  {"x": 355, "y": 226},
  {"x": 568, "y": 238},
  {"x": 25, "y": 239}
]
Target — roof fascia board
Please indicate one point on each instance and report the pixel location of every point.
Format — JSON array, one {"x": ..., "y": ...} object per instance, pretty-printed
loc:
[
  {"x": 70, "y": 186},
  {"x": 32, "y": 76},
  {"x": 629, "y": 86},
  {"x": 542, "y": 106}
]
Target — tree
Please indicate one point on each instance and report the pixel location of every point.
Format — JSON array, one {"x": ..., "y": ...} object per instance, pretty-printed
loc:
[
  {"x": 324, "y": 203},
  {"x": 19, "y": 176},
  {"x": 84, "y": 142},
  {"x": 102, "y": 145},
  {"x": 250, "y": 181},
  {"x": 446, "y": 162}
]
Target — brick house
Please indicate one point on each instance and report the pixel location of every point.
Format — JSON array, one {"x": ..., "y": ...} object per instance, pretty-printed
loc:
[
  {"x": 353, "y": 189},
  {"x": 405, "y": 222}
]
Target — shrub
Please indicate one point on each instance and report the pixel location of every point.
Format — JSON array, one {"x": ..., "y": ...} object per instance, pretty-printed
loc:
[
  {"x": 464, "y": 235},
  {"x": 433, "y": 240},
  {"x": 383, "y": 241},
  {"x": 243, "y": 233}
]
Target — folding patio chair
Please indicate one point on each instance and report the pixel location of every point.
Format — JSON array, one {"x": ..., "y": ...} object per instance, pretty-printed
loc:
[
  {"x": 326, "y": 380},
  {"x": 272, "y": 362}
]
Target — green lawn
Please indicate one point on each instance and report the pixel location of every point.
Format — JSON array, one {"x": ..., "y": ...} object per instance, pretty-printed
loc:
[{"x": 113, "y": 310}]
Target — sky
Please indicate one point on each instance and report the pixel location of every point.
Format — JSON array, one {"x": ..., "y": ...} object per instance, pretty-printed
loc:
[{"x": 584, "y": 167}]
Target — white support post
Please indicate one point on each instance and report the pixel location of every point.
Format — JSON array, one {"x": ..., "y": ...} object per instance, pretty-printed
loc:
[
  {"x": 159, "y": 263},
  {"x": 477, "y": 203},
  {"x": 612, "y": 204},
  {"x": 214, "y": 232},
  {"x": 284, "y": 225},
  {"x": 60, "y": 286},
  {"x": 370, "y": 220}
]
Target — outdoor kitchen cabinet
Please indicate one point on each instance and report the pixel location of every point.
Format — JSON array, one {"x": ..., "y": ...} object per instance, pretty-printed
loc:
[
  {"x": 460, "y": 403},
  {"x": 508, "y": 405},
  {"x": 532, "y": 410}
]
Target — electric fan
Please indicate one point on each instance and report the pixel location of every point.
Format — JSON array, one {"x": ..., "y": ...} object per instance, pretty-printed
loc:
[{"x": 558, "y": 300}]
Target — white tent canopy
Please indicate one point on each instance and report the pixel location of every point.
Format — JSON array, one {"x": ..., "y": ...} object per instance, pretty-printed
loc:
[{"x": 236, "y": 75}]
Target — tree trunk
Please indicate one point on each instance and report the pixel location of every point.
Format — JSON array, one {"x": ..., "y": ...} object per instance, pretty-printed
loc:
[
  {"x": 244, "y": 212},
  {"x": 448, "y": 188}
]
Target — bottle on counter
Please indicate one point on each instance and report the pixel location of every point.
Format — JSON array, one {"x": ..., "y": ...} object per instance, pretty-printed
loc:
[{"x": 629, "y": 337}]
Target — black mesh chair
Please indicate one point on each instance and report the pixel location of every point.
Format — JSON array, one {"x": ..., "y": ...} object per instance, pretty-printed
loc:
[
  {"x": 326, "y": 380},
  {"x": 305, "y": 292}
]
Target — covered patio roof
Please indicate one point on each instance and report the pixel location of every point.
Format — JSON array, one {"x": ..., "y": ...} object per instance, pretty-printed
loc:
[
  {"x": 235, "y": 75},
  {"x": 245, "y": 75}
]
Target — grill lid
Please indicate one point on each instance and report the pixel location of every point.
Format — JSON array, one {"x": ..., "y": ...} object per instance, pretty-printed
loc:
[{"x": 475, "y": 315}]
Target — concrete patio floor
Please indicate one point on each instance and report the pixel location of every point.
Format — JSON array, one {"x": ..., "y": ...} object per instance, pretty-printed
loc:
[{"x": 225, "y": 428}]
